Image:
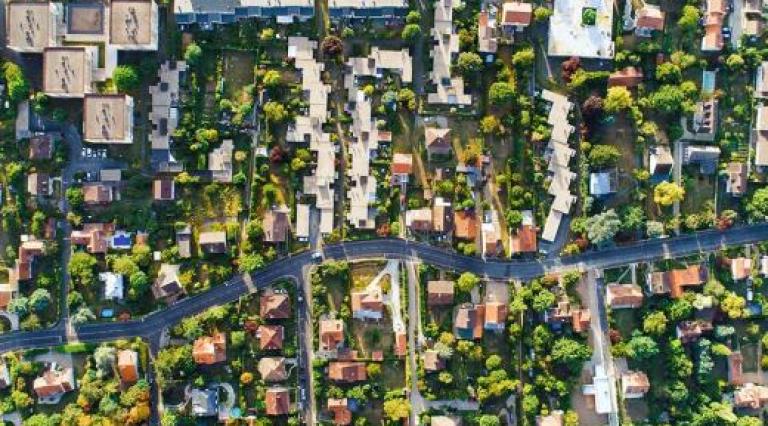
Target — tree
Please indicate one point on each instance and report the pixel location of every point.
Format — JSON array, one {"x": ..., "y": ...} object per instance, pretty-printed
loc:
[
  {"x": 19, "y": 305},
  {"x": 104, "y": 358},
  {"x": 332, "y": 45},
  {"x": 588, "y": 16},
  {"x": 246, "y": 378},
  {"x": 733, "y": 305},
  {"x": 83, "y": 315},
  {"x": 413, "y": 17},
  {"x": 570, "y": 353},
  {"x": 467, "y": 281},
  {"x": 735, "y": 62},
  {"x": 501, "y": 93},
  {"x": 633, "y": 218},
  {"x": 396, "y": 409},
  {"x": 642, "y": 347},
  {"x": 654, "y": 229},
  {"x": 469, "y": 63},
  {"x": 490, "y": 125},
  {"x": 445, "y": 377},
  {"x": 758, "y": 206},
  {"x": 126, "y": 78},
  {"x": 75, "y": 197},
  {"x": 542, "y": 13},
  {"x": 669, "y": 73},
  {"x": 81, "y": 266},
  {"x": 749, "y": 421},
  {"x": 689, "y": 20},
  {"x": 272, "y": 78},
  {"x": 668, "y": 99},
  {"x": 493, "y": 362},
  {"x": 275, "y": 111},
  {"x": 251, "y": 262},
  {"x": 193, "y": 53},
  {"x": 138, "y": 284},
  {"x": 667, "y": 193},
  {"x": 411, "y": 32},
  {"x": 373, "y": 369},
  {"x": 524, "y": 58},
  {"x": 592, "y": 110},
  {"x": 407, "y": 98},
  {"x": 543, "y": 300},
  {"x": 18, "y": 87},
  {"x": 655, "y": 323},
  {"x": 603, "y": 156},
  {"x": 618, "y": 98},
  {"x": 514, "y": 218},
  {"x": 487, "y": 420},
  {"x": 603, "y": 227},
  {"x": 267, "y": 34},
  {"x": 39, "y": 300}
]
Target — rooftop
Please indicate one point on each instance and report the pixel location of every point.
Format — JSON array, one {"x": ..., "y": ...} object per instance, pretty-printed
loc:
[
  {"x": 132, "y": 22},
  {"x": 108, "y": 119},
  {"x": 67, "y": 71},
  {"x": 568, "y": 37}
]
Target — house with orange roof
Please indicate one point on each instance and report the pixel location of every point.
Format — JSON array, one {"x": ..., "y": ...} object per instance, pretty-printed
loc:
[
  {"x": 741, "y": 268},
  {"x": 714, "y": 17},
  {"x": 751, "y": 396},
  {"x": 277, "y": 401},
  {"x": 275, "y": 305},
  {"x": 690, "y": 331},
  {"x": 339, "y": 408},
  {"x": 272, "y": 369},
  {"x": 402, "y": 166},
  {"x": 95, "y": 193},
  {"x": 208, "y": 350},
  {"x": 516, "y": 16},
  {"x": 674, "y": 282},
  {"x": 401, "y": 343},
  {"x": 634, "y": 384},
  {"x": 53, "y": 384},
  {"x": 128, "y": 366},
  {"x": 525, "y": 238},
  {"x": 94, "y": 236},
  {"x": 347, "y": 371},
  {"x": 621, "y": 296},
  {"x": 270, "y": 337},
  {"x": 495, "y": 316},
  {"x": 368, "y": 304},
  {"x": 564, "y": 312},
  {"x": 736, "y": 368},
  {"x": 432, "y": 360},
  {"x": 331, "y": 334},
  {"x": 628, "y": 77},
  {"x": 465, "y": 224},
  {"x": 29, "y": 249},
  {"x": 440, "y": 293},
  {"x": 648, "y": 19},
  {"x": 468, "y": 321}
]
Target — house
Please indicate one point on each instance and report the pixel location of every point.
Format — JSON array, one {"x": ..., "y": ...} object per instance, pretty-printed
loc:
[
  {"x": 736, "y": 368},
  {"x": 705, "y": 117},
  {"x": 568, "y": 36},
  {"x": 164, "y": 114},
  {"x": 29, "y": 249},
  {"x": 438, "y": 141},
  {"x": 35, "y": 25},
  {"x": 68, "y": 72},
  {"x": 167, "y": 285},
  {"x": 714, "y": 17},
  {"x": 331, "y": 334},
  {"x": 761, "y": 81},
  {"x": 355, "y": 11},
  {"x": 419, "y": 220},
  {"x": 524, "y": 239},
  {"x": 213, "y": 242},
  {"x": 442, "y": 216},
  {"x": 363, "y": 148},
  {"x": 93, "y": 236},
  {"x": 347, "y": 371},
  {"x": 402, "y": 166},
  {"x": 220, "y": 162},
  {"x": 649, "y": 18},
  {"x": 449, "y": 90},
  {"x": 110, "y": 175},
  {"x": 113, "y": 285},
  {"x": 276, "y": 224},
  {"x": 54, "y": 383},
  {"x": 675, "y": 281},
  {"x": 495, "y": 316},
  {"x": 564, "y": 312},
  {"x": 554, "y": 418},
  {"x": 516, "y": 16},
  {"x": 490, "y": 234},
  {"x": 270, "y": 337},
  {"x": 660, "y": 161},
  {"x": 128, "y": 366},
  {"x": 603, "y": 183},
  {"x": 690, "y": 331},
  {"x": 5, "y": 377},
  {"x": 274, "y": 305},
  {"x": 367, "y": 304},
  {"x": 705, "y": 156},
  {"x": 97, "y": 193},
  {"x": 209, "y": 350},
  {"x": 38, "y": 184},
  {"x": 741, "y": 268},
  {"x": 204, "y": 402},
  {"x": 628, "y": 77},
  {"x": 401, "y": 343},
  {"x": 634, "y": 384},
  {"x": 339, "y": 408},
  {"x": 736, "y": 179},
  {"x": 40, "y": 147},
  {"x": 468, "y": 321},
  {"x": 432, "y": 360},
  {"x": 302, "y": 222},
  {"x": 750, "y": 396},
  {"x": 108, "y": 119},
  {"x": 465, "y": 224},
  {"x": 559, "y": 154},
  {"x": 164, "y": 189},
  {"x": 272, "y": 369},
  {"x": 184, "y": 241},
  {"x": 620, "y": 296},
  {"x": 205, "y": 14},
  {"x": 761, "y": 135},
  {"x": 486, "y": 29},
  {"x": 440, "y": 293},
  {"x": 444, "y": 421}
]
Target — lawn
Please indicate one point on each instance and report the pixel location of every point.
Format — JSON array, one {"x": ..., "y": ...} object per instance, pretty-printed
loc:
[
  {"x": 373, "y": 336},
  {"x": 364, "y": 272},
  {"x": 238, "y": 73}
]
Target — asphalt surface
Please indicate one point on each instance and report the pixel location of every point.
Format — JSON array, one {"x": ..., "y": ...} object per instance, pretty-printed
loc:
[{"x": 291, "y": 267}]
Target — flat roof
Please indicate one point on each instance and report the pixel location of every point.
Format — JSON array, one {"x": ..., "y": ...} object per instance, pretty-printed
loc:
[
  {"x": 568, "y": 37},
  {"x": 85, "y": 18},
  {"x": 131, "y": 22},
  {"x": 228, "y": 6},
  {"x": 64, "y": 70},
  {"x": 29, "y": 25},
  {"x": 366, "y": 4},
  {"x": 104, "y": 118}
]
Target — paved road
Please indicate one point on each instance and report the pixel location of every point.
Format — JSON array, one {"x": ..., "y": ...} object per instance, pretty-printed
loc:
[{"x": 291, "y": 267}]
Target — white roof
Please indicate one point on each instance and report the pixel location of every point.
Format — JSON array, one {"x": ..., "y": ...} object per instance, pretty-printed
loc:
[
  {"x": 551, "y": 225},
  {"x": 227, "y": 6},
  {"x": 568, "y": 37},
  {"x": 113, "y": 285},
  {"x": 302, "y": 220},
  {"x": 600, "y": 183},
  {"x": 449, "y": 90}
]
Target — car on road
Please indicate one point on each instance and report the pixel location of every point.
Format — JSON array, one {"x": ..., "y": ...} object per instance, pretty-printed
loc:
[{"x": 317, "y": 256}]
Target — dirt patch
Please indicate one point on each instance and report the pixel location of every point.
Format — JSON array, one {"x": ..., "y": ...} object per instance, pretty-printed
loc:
[{"x": 363, "y": 273}]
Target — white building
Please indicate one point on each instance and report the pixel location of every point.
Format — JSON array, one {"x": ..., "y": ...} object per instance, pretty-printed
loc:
[
  {"x": 113, "y": 285},
  {"x": 568, "y": 36}
]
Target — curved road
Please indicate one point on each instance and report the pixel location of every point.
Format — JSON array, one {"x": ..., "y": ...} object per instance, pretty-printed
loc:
[{"x": 150, "y": 326}]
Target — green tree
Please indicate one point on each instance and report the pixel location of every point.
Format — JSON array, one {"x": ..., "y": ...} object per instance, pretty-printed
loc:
[
  {"x": 617, "y": 99},
  {"x": 524, "y": 58},
  {"x": 397, "y": 408},
  {"x": 501, "y": 93},
  {"x": 601, "y": 228},
  {"x": 603, "y": 156},
  {"x": 467, "y": 281},
  {"x": 413, "y": 17},
  {"x": 411, "y": 32},
  {"x": 272, "y": 78},
  {"x": 193, "y": 54},
  {"x": 668, "y": 99},
  {"x": 138, "y": 284},
  {"x": 667, "y": 193},
  {"x": 469, "y": 63},
  {"x": 490, "y": 125},
  {"x": 75, "y": 197},
  {"x": 542, "y": 13},
  {"x": 633, "y": 218},
  {"x": 570, "y": 353},
  {"x": 83, "y": 315},
  {"x": 40, "y": 300},
  {"x": 543, "y": 300},
  {"x": 81, "y": 267},
  {"x": 126, "y": 78},
  {"x": 735, "y": 62},
  {"x": 642, "y": 347},
  {"x": 488, "y": 420},
  {"x": 275, "y": 111},
  {"x": 758, "y": 205},
  {"x": 733, "y": 305},
  {"x": 689, "y": 20},
  {"x": 655, "y": 323}
]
